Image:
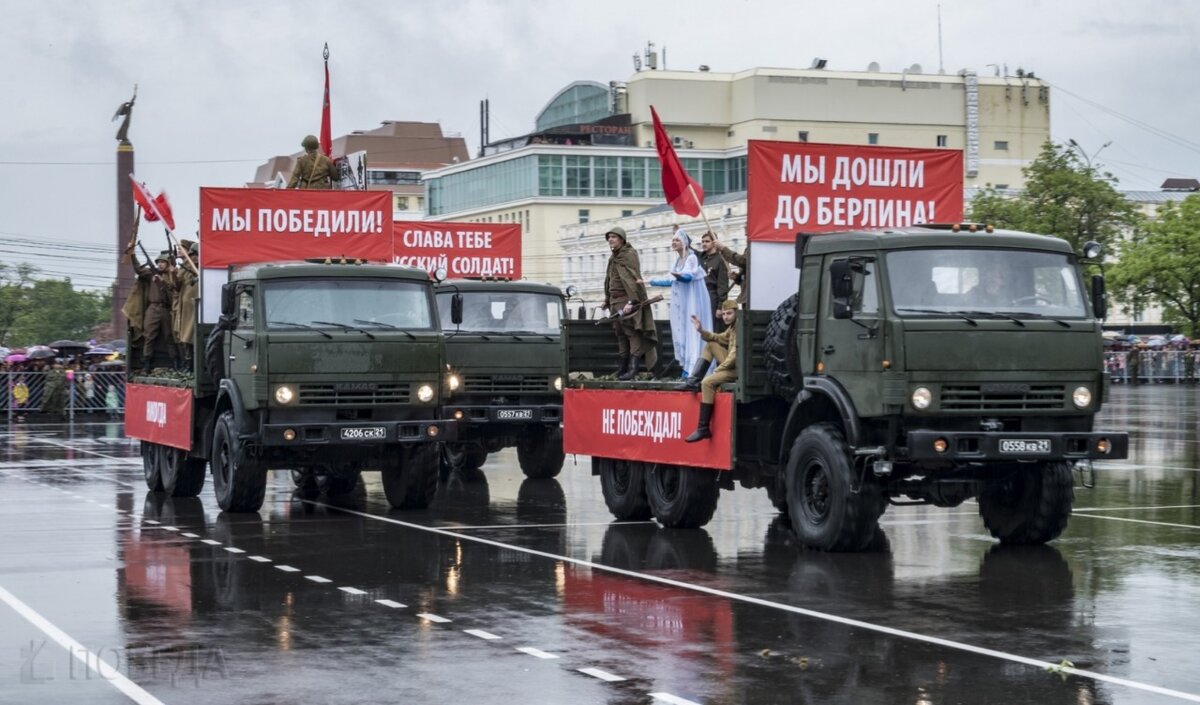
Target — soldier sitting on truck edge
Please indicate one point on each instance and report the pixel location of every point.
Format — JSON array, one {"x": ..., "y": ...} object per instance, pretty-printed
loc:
[
  {"x": 313, "y": 169},
  {"x": 722, "y": 347}
]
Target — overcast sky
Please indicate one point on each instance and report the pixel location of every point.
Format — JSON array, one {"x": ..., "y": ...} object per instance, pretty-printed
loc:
[{"x": 224, "y": 85}]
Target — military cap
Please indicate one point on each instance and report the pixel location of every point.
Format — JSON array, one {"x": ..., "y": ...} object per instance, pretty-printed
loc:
[
  {"x": 164, "y": 256},
  {"x": 190, "y": 245},
  {"x": 618, "y": 231},
  {"x": 729, "y": 305},
  {"x": 310, "y": 142}
]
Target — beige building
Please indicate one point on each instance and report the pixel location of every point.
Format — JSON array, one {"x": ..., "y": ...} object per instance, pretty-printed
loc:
[{"x": 592, "y": 156}]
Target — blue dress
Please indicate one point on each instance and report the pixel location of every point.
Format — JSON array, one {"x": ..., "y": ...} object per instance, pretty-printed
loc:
[{"x": 689, "y": 296}]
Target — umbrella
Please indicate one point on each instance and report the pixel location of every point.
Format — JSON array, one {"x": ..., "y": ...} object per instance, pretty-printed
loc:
[
  {"x": 40, "y": 352},
  {"x": 115, "y": 344},
  {"x": 68, "y": 347},
  {"x": 1180, "y": 338},
  {"x": 111, "y": 365},
  {"x": 4, "y": 351},
  {"x": 100, "y": 351},
  {"x": 15, "y": 357},
  {"x": 1111, "y": 335},
  {"x": 1156, "y": 342}
]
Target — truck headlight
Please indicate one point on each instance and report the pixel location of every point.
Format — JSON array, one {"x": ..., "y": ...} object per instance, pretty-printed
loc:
[
  {"x": 425, "y": 393},
  {"x": 922, "y": 398},
  {"x": 1082, "y": 397},
  {"x": 284, "y": 394},
  {"x": 558, "y": 384},
  {"x": 453, "y": 382}
]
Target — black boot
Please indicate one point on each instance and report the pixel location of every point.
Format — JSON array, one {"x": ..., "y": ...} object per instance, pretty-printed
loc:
[
  {"x": 692, "y": 383},
  {"x": 635, "y": 366},
  {"x": 622, "y": 365},
  {"x": 702, "y": 430}
]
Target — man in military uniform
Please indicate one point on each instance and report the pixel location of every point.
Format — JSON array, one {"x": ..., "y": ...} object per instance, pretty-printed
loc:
[
  {"x": 721, "y": 347},
  {"x": 313, "y": 169},
  {"x": 742, "y": 262},
  {"x": 624, "y": 294},
  {"x": 156, "y": 323},
  {"x": 716, "y": 274},
  {"x": 184, "y": 285}
]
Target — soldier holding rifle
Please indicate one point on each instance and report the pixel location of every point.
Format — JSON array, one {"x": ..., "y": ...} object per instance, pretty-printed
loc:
[{"x": 623, "y": 294}]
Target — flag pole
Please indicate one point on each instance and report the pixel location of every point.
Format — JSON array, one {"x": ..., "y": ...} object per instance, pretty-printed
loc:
[{"x": 692, "y": 190}]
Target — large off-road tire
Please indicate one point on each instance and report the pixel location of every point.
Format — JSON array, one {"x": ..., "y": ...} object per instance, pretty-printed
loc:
[
  {"x": 1030, "y": 504},
  {"x": 462, "y": 458},
  {"x": 682, "y": 497},
  {"x": 410, "y": 477},
  {"x": 182, "y": 476},
  {"x": 779, "y": 350},
  {"x": 239, "y": 481},
  {"x": 541, "y": 454},
  {"x": 777, "y": 493},
  {"x": 825, "y": 511},
  {"x": 151, "y": 468},
  {"x": 623, "y": 483}
]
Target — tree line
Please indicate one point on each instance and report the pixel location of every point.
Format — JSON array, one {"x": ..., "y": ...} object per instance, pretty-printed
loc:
[
  {"x": 1154, "y": 260},
  {"x": 38, "y": 311}
]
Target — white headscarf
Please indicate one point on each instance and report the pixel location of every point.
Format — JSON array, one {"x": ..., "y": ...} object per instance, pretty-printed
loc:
[{"x": 685, "y": 238}]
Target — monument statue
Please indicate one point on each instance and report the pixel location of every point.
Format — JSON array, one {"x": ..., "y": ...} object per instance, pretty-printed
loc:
[{"x": 126, "y": 109}]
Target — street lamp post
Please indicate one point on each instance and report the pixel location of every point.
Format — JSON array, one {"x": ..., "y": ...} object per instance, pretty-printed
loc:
[{"x": 1087, "y": 159}]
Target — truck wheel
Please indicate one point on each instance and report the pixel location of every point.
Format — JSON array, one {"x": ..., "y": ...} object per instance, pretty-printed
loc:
[
  {"x": 623, "y": 483},
  {"x": 682, "y": 497},
  {"x": 182, "y": 476},
  {"x": 463, "y": 459},
  {"x": 541, "y": 453},
  {"x": 826, "y": 513},
  {"x": 777, "y": 493},
  {"x": 150, "y": 466},
  {"x": 239, "y": 481},
  {"x": 410, "y": 477},
  {"x": 1029, "y": 506},
  {"x": 779, "y": 345}
]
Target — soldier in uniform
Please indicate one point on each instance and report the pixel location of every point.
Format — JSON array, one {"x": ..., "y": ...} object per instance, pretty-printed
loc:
[
  {"x": 156, "y": 323},
  {"x": 623, "y": 293},
  {"x": 716, "y": 275},
  {"x": 721, "y": 347},
  {"x": 183, "y": 305},
  {"x": 742, "y": 262},
  {"x": 313, "y": 169}
]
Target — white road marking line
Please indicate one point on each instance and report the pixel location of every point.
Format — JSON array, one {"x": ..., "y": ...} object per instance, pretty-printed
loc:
[
  {"x": 535, "y": 652},
  {"x": 1137, "y": 521},
  {"x": 90, "y": 660},
  {"x": 171, "y": 528},
  {"x": 673, "y": 699},
  {"x": 210, "y": 542},
  {"x": 190, "y": 535},
  {"x": 391, "y": 603},
  {"x": 260, "y": 559},
  {"x": 602, "y": 675},
  {"x": 317, "y": 579},
  {"x": 287, "y": 569},
  {"x": 231, "y": 549},
  {"x": 352, "y": 590},
  {"x": 433, "y": 617},
  {"x": 878, "y": 628},
  {"x": 1146, "y": 508},
  {"x": 151, "y": 522},
  {"x": 481, "y": 634}
]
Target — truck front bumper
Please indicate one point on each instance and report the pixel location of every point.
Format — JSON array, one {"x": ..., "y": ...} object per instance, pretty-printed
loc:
[
  {"x": 359, "y": 433},
  {"x": 981, "y": 446},
  {"x": 472, "y": 414}
]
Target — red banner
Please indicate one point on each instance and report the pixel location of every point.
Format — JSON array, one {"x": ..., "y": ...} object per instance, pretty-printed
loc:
[
  {"x": 159, "y": 414},
  {"x": 646, "y": 426},
  {"x": 241, "y": 226},
  {"x": 804, "y": 187},
  {"x": 463, "y": 249}
]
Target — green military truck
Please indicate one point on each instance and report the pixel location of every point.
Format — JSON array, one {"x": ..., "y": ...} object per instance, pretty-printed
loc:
[
  {"x": 901, "y": 371},
  {"x": 504, "y": 350},
  {"x": 322, "y": 369}
]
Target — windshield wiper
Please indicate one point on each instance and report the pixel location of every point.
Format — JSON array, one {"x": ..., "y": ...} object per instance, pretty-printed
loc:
[
  {"x": 997, "y": 314},
  {"x": 299, "y": 325},
  {"x": 1031, "y": 314},
  {"x": 389, "y": 326},
  {"x": 345, "y": 327},
  {"x": 933, "y": 311}
]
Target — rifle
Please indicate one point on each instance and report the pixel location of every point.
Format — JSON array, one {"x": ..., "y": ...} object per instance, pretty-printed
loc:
[
  {"x": 127, "y": 256},
  {"x": 636, "y": 307},
  {"x": 149, "y": 259}
]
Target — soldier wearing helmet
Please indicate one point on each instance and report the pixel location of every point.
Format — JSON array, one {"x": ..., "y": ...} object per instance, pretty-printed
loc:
[{"x": 313, "y": 169}]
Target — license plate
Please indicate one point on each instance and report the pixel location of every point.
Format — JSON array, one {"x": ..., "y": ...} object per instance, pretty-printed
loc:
[
  {"x": 514, "y": 414},
  {"x": 1018, "y": 446},
  {"x": 369, "y": 433}
]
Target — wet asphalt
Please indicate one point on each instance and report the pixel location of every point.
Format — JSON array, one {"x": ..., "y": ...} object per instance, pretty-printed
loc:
[{"x": 509, "y": 590}]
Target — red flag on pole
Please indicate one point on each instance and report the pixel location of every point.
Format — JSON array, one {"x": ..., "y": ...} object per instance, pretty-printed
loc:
[
  {"x": 681, "y": 191},
  {"x": 154, "y": 208},
  {"x": 326, "y": 133}
]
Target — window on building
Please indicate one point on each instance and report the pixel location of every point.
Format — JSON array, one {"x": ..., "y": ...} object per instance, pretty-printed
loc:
[
  {"x": 626, "y": 212},
  {"x": 633, "y": 177},
  {"x": 579, "y": 176},
  {"x": 802, "y": 136},
  {"x": 941, "y": 140},
  {"x": 420, "y": 203},
  {"x": 1001, "y": 187},
  {"x": 606, "y": 180},
  {"x": 584, "y": 215},
  {"x": 401, "y": 203},
  {"x": 1001, "y": 145},
  {"x": 872, "y": 138}
]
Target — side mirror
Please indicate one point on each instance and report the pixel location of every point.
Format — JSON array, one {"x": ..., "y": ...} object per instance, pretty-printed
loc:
[
  {"x": 228, "y": 299},
  {"x": 572, "y": 291},
  {"x": 1099, "y": 299},
  {"x": 1091, "y": 250},
  {"x": 841, "y": 287},
  {"x": 456, "y": 304}
]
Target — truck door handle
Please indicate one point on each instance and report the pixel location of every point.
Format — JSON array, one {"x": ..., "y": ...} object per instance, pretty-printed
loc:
[{"x": 828, "y": 350}]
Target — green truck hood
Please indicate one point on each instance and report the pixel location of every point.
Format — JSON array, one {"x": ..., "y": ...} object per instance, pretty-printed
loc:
[
  {"x": 500, "y": 353},
  {"x": 1002, "y": 349},
  {"x": 357, "y": 357}
]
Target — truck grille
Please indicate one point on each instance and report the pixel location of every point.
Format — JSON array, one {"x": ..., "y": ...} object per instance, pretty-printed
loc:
[
  {"x": 330, "y": 394},
  {"x": 1019, "y": 397},
  {"x": 505, "y": 383}
]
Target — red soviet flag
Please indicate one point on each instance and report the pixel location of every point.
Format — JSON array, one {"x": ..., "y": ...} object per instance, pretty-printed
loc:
[
  {"x": 154, "y": 208},
  {"x": 681, "y": 191},
  {"x": 326, "y": 133}
]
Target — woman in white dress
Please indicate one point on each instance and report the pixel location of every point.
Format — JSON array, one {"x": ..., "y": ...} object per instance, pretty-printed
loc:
[{"x": 689, "y": 296}]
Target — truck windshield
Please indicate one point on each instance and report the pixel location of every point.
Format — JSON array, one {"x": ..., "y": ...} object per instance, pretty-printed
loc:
[
  {"x": 1019, "y": 283},
  {"x": 504, "y": 312},
  {"x": 342, "y": 303}
]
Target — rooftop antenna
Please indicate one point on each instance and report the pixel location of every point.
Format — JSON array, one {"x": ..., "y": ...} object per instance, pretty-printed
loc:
[{"x": 941, "y": 66}]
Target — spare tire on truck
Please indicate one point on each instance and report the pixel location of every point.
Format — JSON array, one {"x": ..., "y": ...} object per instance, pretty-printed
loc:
[{"x": 779, "y": 349}]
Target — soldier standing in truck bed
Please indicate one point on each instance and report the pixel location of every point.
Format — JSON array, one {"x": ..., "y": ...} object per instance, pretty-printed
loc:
[
  {"x": 637, "y": 339},
  {"x": 156, "y": 323},
  {"x": 183, "y": 305},
  {"x": 313, "y": 169}
]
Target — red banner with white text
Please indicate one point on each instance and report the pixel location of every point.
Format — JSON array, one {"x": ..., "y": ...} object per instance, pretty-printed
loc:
[
  {"x": 646, "y": 426},
  {"x": 804, "y": 187},
  {"x": 463, "y": 249},
  {"x": 241, "y": 225},
  {"x": 159, "y": 414}
]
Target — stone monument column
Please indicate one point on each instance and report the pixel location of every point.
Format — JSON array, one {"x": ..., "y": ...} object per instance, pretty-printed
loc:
[{"x": 125, "y": 278}]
